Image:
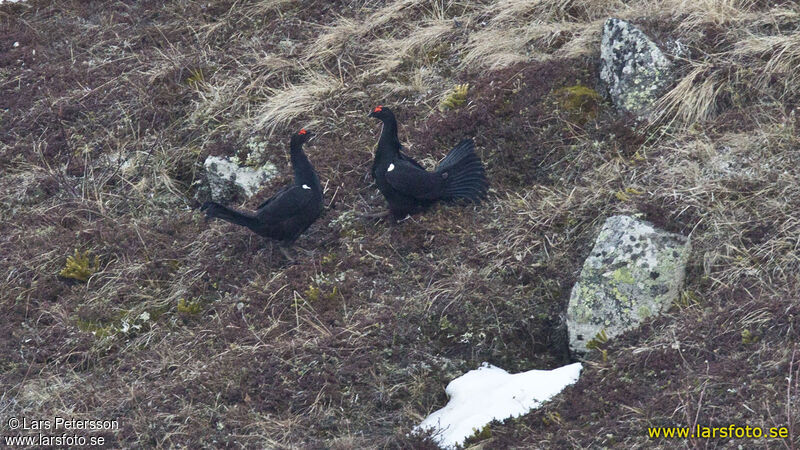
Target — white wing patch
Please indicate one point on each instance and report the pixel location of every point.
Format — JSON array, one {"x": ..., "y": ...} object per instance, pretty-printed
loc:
[
  {"x": 391, "y": 168},
  {"x": 305, "y": 186}
]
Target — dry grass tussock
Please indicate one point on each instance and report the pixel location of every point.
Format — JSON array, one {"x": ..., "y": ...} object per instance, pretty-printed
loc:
[
  {"x": 285, "y": 104},
  {"x": 201, "y": 334}
]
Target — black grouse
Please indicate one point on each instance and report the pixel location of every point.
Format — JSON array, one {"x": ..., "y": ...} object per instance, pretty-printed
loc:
[
  {"x": 289, "y": 212},
  {"x": 409, "y": 188}
]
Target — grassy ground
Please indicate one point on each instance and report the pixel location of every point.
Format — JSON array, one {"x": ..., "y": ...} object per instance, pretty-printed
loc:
[{"x": 202, "y": 334}]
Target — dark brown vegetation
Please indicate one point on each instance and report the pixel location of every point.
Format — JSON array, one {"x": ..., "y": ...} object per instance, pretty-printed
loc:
[{"x": 197, "y": 334}]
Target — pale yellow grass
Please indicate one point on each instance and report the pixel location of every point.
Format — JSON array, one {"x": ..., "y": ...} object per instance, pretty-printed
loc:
[
  {"x": 389, "y": 54},
  {"x": 334, "y": 38},
  {"x": 782, "y": 53},
  {"x": 406, "y": 45},
  {"x": 694, "y": 98},
  {"x": 287, "y": 103}
]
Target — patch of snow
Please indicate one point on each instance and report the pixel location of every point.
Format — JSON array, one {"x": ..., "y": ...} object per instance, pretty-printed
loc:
[
  {"x": 490, "y": 393},
  {"x": 9, "y": 1}
]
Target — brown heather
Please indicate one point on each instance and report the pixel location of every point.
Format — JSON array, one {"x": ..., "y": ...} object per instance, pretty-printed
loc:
[{"x": 103, "y": 131}]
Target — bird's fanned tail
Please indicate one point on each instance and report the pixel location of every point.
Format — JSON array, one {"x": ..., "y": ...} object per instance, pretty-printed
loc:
[
  {"x": 466, "y": 176},
  {"x": 214, "y": 209}
]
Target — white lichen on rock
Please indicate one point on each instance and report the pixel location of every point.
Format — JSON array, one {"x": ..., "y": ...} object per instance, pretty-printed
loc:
[
  {"x": 632, "y": 67},
  {"x": 256, "y": 151},
  {"x": 226, "y": 178},
  {"x": 633, "y": 272}
]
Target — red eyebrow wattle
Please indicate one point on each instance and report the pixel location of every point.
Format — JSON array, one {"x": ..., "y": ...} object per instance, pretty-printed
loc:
[{"x": 303, "y": 131}]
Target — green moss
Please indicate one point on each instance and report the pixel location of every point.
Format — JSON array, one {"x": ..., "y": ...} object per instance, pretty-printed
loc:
[
  {"x": 599, "y": 339},
  {"x": 688, "y": 298},
  {"x": 749, "y": 338},
  {"x": 480, "y": 435},
  {"x": 445, "y": 324},
  {"x": 315, "y": 293},
  {"x": 552, "y": 418},
  {"x": 455, "y": 98},
  {"x": 196, "y": 78},
  {"x": 191, "y": 307},
  {"x": 80, "y": 266},
  {"x": 96, "y": 327},
  {"x": 625, "y": 195},
  {"x": 329, "y": 258},
  {"x": 580, "y": 102},
  {"x": 122, "y": 323}
]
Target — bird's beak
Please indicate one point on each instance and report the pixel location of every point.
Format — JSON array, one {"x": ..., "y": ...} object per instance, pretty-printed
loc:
[{"x": 371, "y": 114}]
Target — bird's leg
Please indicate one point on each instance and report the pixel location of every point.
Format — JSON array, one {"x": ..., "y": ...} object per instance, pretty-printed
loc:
[
  {"x": 376, "y": 215},
  {"x": 308, "y": 253},
  {"x": 207, "y": 209},
  {"x": 285, "y": 252}
]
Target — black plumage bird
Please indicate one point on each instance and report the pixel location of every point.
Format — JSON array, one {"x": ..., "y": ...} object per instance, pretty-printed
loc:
[
  {"x": 289, "y": 212},
  {"x": 409, "y": 188}
]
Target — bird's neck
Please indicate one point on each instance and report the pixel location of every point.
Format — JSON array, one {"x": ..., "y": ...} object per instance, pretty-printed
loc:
[
  {"x": 303, "y": 170},
  {"x": 388, "y": 144}
]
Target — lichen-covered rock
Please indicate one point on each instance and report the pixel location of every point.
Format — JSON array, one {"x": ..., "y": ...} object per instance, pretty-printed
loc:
[
  {"x": 634, "y": 271},
  {"x": 225, "y": 179},
  {"x": 632, "y": 67}
]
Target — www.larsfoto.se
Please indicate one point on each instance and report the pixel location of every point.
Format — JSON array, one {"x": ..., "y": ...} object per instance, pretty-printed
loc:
[
  {"x": 69, "y": 440},
  {"x": 730, "y": 432}
]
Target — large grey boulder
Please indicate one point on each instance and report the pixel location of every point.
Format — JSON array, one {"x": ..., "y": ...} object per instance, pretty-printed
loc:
[
  {"x": 632, "y": 68},
  {"x": 634, "y": 271},
  {"x": 226, "y": 179}
]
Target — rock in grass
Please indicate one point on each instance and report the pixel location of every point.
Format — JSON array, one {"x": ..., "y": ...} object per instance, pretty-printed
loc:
[
  {"x": 632, "y": 68},
  {"x": 225, "y": 179},
  {"x": 634, "y": 271}
]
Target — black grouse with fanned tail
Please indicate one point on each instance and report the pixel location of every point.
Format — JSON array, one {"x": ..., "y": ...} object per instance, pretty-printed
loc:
[
  {"x": 289, "y": 212},
  {"x": 409, "y": 188}
]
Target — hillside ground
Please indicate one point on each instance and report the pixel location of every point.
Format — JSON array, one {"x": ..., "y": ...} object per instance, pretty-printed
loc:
[{"x": 201, "y": 334}]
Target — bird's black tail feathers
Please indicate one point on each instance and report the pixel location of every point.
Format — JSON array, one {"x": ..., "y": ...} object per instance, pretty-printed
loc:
[
  {"x": 214, "y": 209},
  {"x": 466, "y": 176}
]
